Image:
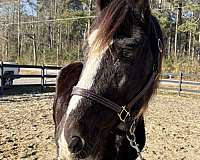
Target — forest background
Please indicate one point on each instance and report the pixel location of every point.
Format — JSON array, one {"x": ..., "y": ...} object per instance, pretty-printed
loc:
[{"x": 53, "y": 31}]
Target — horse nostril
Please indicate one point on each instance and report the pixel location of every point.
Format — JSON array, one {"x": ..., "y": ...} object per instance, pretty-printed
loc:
[{"x": 76, "y": 144}]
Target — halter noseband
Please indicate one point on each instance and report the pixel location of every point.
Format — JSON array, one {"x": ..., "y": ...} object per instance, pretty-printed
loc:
[{"x": 122, "y": 111}]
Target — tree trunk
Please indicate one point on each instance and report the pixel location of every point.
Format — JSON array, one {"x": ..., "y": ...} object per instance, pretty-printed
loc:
[
  {"x": 199, "y": 48},
  {"x": 189, "y": 45},
  {"x": 57, "y": 54},
  {"x": 7, "y": 49},
  {"x": 18, "y": 32},
  {"x": 61, "y": 47},
  {"x": 193, "y": 45},
  {"x": 177, "y": 45},
  {"x": 176, "y": 36},
  {"x": 34, "y": 50},
  {"x": 169, "y": 47},
  {"x": 180, "y": 5},
  {"x": 170, "y": 41},
  {"x": 2, "y": 52},
  {"x": 44, "y": 55},
  {"x": 90, "y": 12},
  {"x": 199, "y": 38}
]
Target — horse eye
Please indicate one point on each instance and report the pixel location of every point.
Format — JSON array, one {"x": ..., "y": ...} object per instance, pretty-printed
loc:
[
  {"x": 127, "y": 53},
  {"x": 127, "y": 57}
]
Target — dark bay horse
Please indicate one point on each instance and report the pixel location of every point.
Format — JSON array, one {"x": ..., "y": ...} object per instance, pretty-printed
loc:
[{"x": 99, "y": 104}]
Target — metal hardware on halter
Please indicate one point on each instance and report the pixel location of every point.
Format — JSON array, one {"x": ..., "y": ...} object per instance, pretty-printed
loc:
[
  {"x": 132, "y": 128},
  {"x": 134, "y": 145},
  {"x": 123, "y": 114},
  {"x": 132, "y": 139}
]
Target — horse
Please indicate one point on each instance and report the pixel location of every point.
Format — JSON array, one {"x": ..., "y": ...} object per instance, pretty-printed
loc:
[{"x": 99, "y": 103}]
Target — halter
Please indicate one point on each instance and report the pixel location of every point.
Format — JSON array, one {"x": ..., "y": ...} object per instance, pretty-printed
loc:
[{"x": 123, "y": 112}]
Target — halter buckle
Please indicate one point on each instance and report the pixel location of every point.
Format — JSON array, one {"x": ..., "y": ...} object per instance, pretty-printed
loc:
[{"x": 123, "y": 114}]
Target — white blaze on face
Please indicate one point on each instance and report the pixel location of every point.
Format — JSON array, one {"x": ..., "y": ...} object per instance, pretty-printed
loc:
[
  {"x": 64, "y": 153},
  {"x": 88, "y": 74},
  {"x": 86, "y": 81}
]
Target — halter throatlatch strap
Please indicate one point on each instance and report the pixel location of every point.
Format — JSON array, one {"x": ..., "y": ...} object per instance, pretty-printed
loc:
[{"x": 144, "y": 90}]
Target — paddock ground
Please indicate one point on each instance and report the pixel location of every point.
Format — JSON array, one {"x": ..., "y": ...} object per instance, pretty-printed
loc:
[{"x": 27, "y": 131}]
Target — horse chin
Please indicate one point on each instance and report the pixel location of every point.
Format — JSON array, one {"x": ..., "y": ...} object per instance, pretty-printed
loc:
[{"x": 81, "y": 155}]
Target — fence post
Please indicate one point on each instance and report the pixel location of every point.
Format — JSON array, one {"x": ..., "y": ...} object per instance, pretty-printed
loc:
[
  {"x": 1, "y": 91},
  {"x": 180, "y": 82},
  {"x": 42, "y": 78}
]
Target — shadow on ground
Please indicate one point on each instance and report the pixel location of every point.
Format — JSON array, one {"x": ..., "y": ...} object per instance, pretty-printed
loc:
[{"x": 19, "y": 90}]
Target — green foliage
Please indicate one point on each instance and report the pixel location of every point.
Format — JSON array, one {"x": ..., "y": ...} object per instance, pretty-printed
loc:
[
  {"x": 187, "y": 66},
  {"x": 194, "y": 7},
  {"x": 168, "y": 64},
  {"x": 163, "y": 18},
  {"x": 72, "y": 55},
  {"x": 64, "y": 37},
  {"x": 188, "y": 26}
]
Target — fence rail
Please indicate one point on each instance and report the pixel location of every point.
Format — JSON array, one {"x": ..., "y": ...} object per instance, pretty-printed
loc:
[
  {"x": 180, "y": 88},
  {"x": 42, "y": 75},
  {"x": 167, "y": 80},
  {"x": 181, "y": 84}
]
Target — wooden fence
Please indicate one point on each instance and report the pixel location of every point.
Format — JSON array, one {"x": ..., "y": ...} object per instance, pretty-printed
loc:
[
  {"x": 169, "y": 81},
  {"x": 43, "y": 74},
  {"x": 180, "y": 82}
]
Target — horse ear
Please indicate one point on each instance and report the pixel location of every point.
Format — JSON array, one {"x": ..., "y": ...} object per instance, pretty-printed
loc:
[
  {"x": 140, "y": 7},
  {"x": 139, "y": 4},
  {"x": 101, "y": 4},
  {"x": 67, "y": 78}
]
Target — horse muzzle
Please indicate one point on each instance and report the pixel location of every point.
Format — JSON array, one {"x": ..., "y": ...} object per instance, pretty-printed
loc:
[
  {"x": 78, "y": 148},
  {"x": 76, "y": 144}
]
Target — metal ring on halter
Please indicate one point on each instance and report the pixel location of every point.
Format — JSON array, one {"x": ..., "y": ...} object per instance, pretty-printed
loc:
[{"x": 132, "y": 127}]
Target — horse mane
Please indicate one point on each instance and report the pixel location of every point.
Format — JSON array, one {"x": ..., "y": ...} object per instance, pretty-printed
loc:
[
  {"x": 158, "y": 54},
  {"x": 111, "y": 16},
  {"x": 107, "y": 23}
]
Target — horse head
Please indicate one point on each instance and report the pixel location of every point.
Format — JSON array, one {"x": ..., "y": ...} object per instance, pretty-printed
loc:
[{"x": 122, "y": 54}]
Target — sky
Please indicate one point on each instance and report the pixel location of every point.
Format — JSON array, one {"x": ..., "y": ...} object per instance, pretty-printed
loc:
[{"x": 29, "y": 7}]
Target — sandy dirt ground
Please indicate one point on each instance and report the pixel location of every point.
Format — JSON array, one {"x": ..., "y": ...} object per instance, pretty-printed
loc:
[{"x": 27, "y": 130}]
